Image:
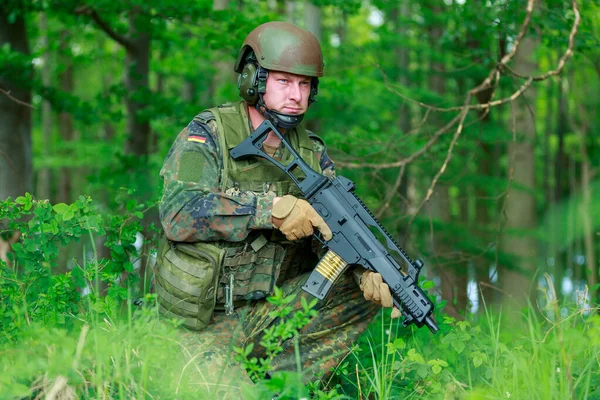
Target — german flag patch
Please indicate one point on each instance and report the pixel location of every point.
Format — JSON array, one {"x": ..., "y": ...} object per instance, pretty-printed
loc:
[{"x": 196, "y": 138}]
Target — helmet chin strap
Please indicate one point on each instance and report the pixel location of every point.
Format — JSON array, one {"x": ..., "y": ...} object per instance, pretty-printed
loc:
[{"x": 279, "y": 120}]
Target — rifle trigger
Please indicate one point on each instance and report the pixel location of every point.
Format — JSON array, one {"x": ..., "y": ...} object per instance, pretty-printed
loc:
[{"x": 319, "y": 237}]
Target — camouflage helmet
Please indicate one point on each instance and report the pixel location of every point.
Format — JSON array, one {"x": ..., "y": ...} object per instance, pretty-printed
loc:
[{"x": 281, "y": 46}]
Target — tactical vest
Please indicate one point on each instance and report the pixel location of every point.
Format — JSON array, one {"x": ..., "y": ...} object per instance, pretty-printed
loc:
[
  {"x": 193, "y": 279},
  {"x": 255, "y": 174}
]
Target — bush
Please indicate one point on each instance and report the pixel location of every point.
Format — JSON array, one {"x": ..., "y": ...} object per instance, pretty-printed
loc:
[{"x": 32, "y": 290}]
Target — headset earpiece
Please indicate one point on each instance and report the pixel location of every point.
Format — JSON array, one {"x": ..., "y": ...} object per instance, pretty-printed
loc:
[{"x": 247, "y": 83}]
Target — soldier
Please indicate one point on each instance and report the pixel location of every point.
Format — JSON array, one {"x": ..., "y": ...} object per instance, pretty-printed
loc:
[{"x": 235, "y": 229}]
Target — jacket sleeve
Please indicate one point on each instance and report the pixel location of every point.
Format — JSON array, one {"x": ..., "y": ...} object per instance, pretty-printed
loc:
[{"x": 193, "y": 208}]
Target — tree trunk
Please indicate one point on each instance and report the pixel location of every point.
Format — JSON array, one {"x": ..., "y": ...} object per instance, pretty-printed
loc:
[
  {"x": 188, "y": 91},
  {"x": 562, "y": 162},
  {"x": 586, "y": 215},
  {"x": 549, "y": 129},
  {"x": 312, "y": 20},
  {"x": 15, "y": 129},
  {"x": 562, "y": 170},
  {"x": 65, "y": 121},
  {"x": 551, "y": 251},
  {"x": 44, "y": 174},
  {"x": 107, "y": 81},
  {"x": 402, "y": 56},
  {"x": 312, "y": 23},
  {"x": 520, "y": 204},
  {"x": 223, "y": 71},
  {"x": 453, "y": 282},
  {"x": 137, "y": 67},
  {"x": 484, "y": 168},
  {"x": 573, "y": 247}
]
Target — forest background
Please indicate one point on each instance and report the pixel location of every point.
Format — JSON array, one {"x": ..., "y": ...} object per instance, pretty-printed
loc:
[{"x": 467, "y": 127}]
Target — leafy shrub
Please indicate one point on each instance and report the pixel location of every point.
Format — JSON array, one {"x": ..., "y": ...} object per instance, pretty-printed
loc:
[{"x": 31, "y": 290}]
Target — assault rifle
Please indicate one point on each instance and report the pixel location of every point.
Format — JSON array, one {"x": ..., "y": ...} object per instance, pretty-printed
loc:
[{"x": 353, "y": 241}]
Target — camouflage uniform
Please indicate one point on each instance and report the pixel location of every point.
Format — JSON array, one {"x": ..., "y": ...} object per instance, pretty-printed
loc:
[
  {"x": 222, "y": 250},
  {"x": 195, "y": 209}
]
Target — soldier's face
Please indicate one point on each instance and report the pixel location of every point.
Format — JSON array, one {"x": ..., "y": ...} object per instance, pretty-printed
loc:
[{"x": 287, "y": 93}]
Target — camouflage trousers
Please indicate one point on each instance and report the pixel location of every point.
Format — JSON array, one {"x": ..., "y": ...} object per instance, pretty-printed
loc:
[{"x": 342, "y": 317}]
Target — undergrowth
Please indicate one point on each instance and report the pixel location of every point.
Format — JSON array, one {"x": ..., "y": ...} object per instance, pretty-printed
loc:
[{"x": 87, "y": 331}]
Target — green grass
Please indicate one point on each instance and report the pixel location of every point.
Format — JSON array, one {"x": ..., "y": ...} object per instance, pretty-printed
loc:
[
  {"x": 55, "y": 344},
  {"x": 497, "y": 355},
  {"x": 494, "y": 355},
  {"x": 107, "y": 359}
]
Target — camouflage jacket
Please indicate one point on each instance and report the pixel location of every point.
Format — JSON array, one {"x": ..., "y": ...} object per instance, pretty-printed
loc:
[{"x": 193, "y": 209}]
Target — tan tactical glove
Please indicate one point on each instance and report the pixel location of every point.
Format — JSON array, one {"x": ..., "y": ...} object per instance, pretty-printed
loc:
[
  {"x": 375, "y": 290},
  {"x": 296, "y": 219}
]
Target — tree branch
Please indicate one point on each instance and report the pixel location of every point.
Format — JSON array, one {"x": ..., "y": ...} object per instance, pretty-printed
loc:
[
  {"x": 567, "y": 54},
  {"x": 7, "y": 93},
  {"x": 122, "y": 40},
  {"x": 459, "y": 129},
  {"x": 491, "y": 81},
  {"x": 391, "y": 193},
  {"x": 404, "y": 161}
]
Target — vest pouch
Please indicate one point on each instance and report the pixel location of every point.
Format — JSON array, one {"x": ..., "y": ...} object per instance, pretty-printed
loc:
[
  {"x": 186, "y": 282},
  {"x": 250, "y": 274}
]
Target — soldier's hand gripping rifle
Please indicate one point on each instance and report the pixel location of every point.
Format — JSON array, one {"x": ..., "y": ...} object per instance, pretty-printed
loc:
[{"x": 353, "y": 242}]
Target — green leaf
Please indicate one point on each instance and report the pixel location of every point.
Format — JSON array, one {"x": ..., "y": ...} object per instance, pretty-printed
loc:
[
  {"x": 289, "y": 299},
  {"x": 28, "y": 202},
  {"x": 397, "y": 344},
  {"x": 458, "y": 346},
  {"x": 304, "y": 303},
  {"x": 463, "y": 325},
  {"x": 46, "y": 228},
  {"x": 128, "y": 266},
  {"x": 68, "y": 215},
  {"x": 427, "y": 284},
  {"x": 60, "y": 208},
  {"x": 40, "y": 212},
  {"x": 249, "y": 349},
  {"x": 478, "y": 358},
  {"x": 91, "y": 223},
  {"x": 436, "y": 369},
  {"x": 416, "y": 357},
  {"x": 423, "y": 371},
  {"x": 449, "y": 320}
]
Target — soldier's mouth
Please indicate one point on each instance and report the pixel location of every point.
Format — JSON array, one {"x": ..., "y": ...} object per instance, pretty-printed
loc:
[{"x": 292, "y": 110}]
